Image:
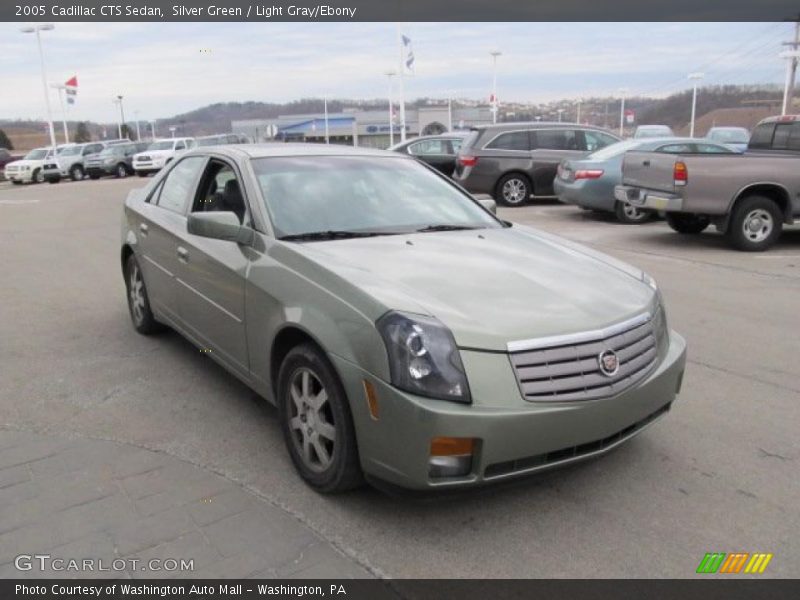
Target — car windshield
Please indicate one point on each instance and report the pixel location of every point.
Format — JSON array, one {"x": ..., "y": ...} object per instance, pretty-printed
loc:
[
  {"x": 614, "y": 150},
  {"x": 71, "y": 151},
  {"x": 167, "y": 145},
  {"x": 330, "y": 194},
  {"x": 730, "y": 136},
  {"x": 37, "y": 154}
]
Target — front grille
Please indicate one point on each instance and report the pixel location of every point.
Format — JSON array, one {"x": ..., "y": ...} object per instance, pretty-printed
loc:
[
  {"x": 571, "y": 371},
  {"x": 142, "y": 158},
  {"x": 540, "y": 461}
]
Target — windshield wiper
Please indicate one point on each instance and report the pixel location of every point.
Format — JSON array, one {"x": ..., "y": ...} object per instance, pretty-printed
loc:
[
  {"x": 445, "y": 228},
  {"x": 311, "y": 236}
]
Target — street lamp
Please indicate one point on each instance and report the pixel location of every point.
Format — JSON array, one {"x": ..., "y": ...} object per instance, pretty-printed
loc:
[
  {"x": 138, "y": 132},
  {"x": 118, "y": 102},
  {"x": 153, "y": 129},
  {"x": 560, "y": 112},
  {"x": 37, "y": 29},
  {"x": 391, "y": 74},
  {"x": 494, "y": 54},
  {"x": 694, "y": 77},
  {"x": 791, "y": 56},
  {"x": 622, "y": 92},
  {"x": 578, "y": 113}
]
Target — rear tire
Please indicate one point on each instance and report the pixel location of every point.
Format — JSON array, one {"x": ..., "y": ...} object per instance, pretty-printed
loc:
[
  {"x": 513, "y": 189},
  {"x": 121, "y": 171},
  {"x": 316, "y": 422},
  {"x": 630, "y": 215},
  {"x": 76, "y": 173},
  {"x": 687, "y": 223},
  {"x": 756, "y": 224},
  {"x": 138, "y": 301}
]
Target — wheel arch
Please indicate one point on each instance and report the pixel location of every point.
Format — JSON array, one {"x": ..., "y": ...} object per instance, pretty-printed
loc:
[{"x": 775, "y": 191}]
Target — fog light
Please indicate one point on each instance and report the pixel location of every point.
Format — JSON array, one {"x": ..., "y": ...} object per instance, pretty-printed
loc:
[{"x": 450, "y": 457}]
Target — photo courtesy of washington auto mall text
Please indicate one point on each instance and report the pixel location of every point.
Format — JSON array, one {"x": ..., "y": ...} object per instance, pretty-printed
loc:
[{"x": 399, "y": 299}]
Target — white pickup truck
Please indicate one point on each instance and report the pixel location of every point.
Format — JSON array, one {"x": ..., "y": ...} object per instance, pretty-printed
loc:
[
  {"x": 749, "y": 197},
  {"x": 159, "y": 154}
]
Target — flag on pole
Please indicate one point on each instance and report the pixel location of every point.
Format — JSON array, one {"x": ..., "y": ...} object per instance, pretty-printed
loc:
[
  {"x": 71, "y": 89},
  {"x": 408, "y": 55}
]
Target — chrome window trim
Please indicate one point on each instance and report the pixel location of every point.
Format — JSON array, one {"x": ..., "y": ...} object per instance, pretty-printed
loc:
[{"x": 577, "y": 338}]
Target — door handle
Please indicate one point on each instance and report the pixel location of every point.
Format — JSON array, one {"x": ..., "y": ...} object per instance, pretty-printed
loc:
[
  {"x": 143, "y": 228},
  {"x": 646, "y": 163},
  {"x": 183, "y": 254}
]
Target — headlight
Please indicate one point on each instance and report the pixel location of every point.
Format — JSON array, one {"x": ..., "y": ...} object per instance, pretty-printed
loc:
[
  {"x": 423, "y": 357},
  {"x": 649, "y": 281}
]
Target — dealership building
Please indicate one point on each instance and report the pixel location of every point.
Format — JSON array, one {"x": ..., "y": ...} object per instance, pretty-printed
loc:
[{"x": 368, "y": 128}]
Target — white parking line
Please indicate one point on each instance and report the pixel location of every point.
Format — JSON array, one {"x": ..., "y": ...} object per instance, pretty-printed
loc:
[{"x": 20, "y": 201}]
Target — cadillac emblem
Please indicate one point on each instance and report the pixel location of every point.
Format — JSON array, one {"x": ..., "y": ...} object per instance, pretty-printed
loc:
[{"x": 608, "y": 362}]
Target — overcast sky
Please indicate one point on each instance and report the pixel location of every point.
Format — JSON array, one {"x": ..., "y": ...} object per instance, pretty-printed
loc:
[{"x": 166, "y": 68}]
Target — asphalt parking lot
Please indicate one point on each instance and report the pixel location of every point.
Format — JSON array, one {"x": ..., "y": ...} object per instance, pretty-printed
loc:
[{"x": 718, "y": 474}]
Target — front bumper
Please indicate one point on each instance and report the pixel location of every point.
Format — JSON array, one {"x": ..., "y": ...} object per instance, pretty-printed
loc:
[
  {"x": 648, "y": 199},
  {"x": 23, "y": 176},
  {"x": 577, "y": 194},
  {"x": 515, "y": 437},
  {"x": 151, "y": 166}
]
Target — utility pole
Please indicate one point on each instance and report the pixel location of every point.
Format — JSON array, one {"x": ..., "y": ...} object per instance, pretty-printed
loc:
[
  {"x": 622, "y": 93},
  {"x": 37, "y": 29},
  {"x": 694, "y": 77},
  {"x": 494, "y": 54},
  {"x": 791, "y": 70},
  {"x": 578, "y": 113},
  {"x": 391, "y": 74}
]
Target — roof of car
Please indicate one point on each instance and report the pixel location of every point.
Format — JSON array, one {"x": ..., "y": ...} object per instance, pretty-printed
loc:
[
  {"x": 534, "y": 125},
  {"x": 282, "y": 149}
]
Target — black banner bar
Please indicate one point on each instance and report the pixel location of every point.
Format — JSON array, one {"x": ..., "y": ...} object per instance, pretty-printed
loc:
[
  {"x": 397, "y": 10},
  {"x": 733, "y": 588}
]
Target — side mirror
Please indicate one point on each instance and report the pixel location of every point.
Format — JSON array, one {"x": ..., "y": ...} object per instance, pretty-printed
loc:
[
  {"x": 223, "y": 225},
  {"x": 487, "y": 202}
]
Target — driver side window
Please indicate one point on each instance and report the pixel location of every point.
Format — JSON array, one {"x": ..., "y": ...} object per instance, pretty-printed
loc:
[{"x": 220, "y": 191}]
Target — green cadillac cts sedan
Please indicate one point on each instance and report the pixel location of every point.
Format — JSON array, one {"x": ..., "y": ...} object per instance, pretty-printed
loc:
[{"x": 405, "y": 333}]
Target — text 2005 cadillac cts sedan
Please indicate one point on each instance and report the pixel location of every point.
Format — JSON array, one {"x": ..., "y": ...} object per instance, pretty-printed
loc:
[{"x": 403, "y": 331}]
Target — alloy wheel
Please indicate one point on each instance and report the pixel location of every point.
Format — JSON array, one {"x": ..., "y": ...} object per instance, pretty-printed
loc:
[
  {"x": 136, "y": 287},
  {"x": 311, "y": 422},
  {"x": 757, "y": 225},
  {"x": 515, "y": 191},
  {"x": 633, "y": 213}
]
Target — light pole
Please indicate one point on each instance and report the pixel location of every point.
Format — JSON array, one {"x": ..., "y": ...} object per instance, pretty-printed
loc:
[
  {"x": 37, "y": 29},
  {"x": 118, "y": 101},
  {"x": 138, "y": 131},
  {"x": 172, "y": 131},
  {"x": 494, "y": 54},
  {"x": 61, "y": 87},
  {"x": 391, "y": 74},
  {"x": 694, "y": 77},
  {"x": 560, "y": 112},
  {"x": 622, "y": 92},
  {"x": 327, "y": 137},
  {"x": 791, "y": 57},
  {"x": 153, "y": 129},
  {"x": 578, "y": 114},
  {"x": 449, "y": 112}
]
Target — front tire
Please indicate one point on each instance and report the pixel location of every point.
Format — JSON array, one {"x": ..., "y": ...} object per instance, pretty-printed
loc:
[
  {"x": 38, "y": 176},
  {"x": 755, "y": 225},
  {"x": 316, "y": 421},
  {"x": 121, "y": 171},
  {"x": 76, "y": 173},
  {"x": 687, "y": 223},
  {"x": 630, "y": 215},
  {"x": 513, "y": 189},
  {"x": 138, "y": 301}
]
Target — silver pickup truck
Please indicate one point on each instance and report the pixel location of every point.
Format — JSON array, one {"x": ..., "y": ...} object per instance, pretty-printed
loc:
[{"x": 748, "y": 197}]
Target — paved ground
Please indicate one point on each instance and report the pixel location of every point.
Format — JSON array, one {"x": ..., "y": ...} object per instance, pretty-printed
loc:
[{"x": 718, "y": 474}]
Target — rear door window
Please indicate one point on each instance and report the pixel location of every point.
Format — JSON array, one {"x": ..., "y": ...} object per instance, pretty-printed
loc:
[
  {"x": 555, "y": 139},
  {"x": 676, "y": 149},
  {"x": 513, "y": 140},
  {"x": 712, "y": 149},
  {"x": 762, "y": 136},
  {"x": 429, "y": 147}
]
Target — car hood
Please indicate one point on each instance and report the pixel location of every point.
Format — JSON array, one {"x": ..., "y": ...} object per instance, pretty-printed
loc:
[
  {"x": 154, "y": 153},
  {"x": 490, "y": 286},
  {"x": 26, "y": 163}
]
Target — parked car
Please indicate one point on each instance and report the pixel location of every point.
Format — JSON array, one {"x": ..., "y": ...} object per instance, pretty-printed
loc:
[
  {"x": 340, "y": 284},
  {"x": 69, "y": 162},
  {"x": 652, "y": 131},
  {"x": 735, "y": 137},
  {"x": 589, "y": 182},
  {"x": 748, "y": 197},
  {"x": 116, "y": 159},
  {"x": 516, "y": 161},
  {"x": 439, "y": 151},
  {"x": 158, "y": 154},
  {"x": 5, "y": 158},
  {"x": 220, "y": 139},
  {"x": 28, "y": 169}
]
